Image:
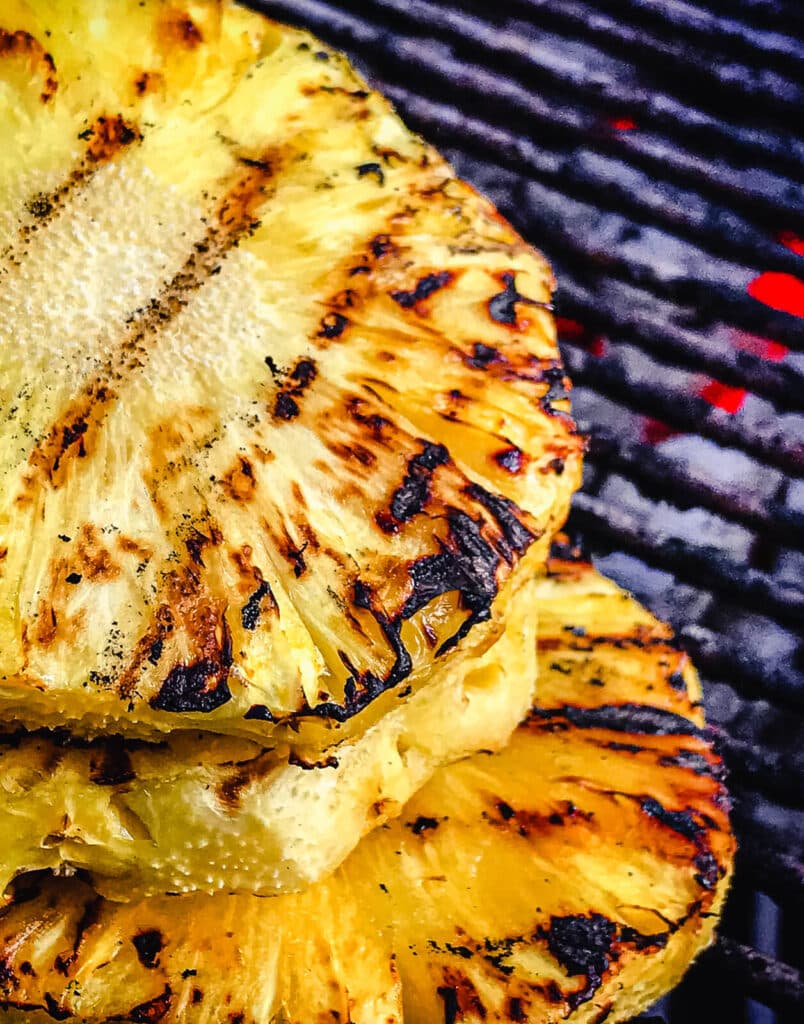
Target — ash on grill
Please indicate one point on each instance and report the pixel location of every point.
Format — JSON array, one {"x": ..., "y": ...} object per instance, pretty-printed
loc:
[{"x": 649, "y": 146}]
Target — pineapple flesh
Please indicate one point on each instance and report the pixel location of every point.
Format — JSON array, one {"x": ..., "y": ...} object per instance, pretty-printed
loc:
[
  {"x": 284, "y": 416},
  {"x": 219, "y": 813},
  {"x": 571, "y": 877}
]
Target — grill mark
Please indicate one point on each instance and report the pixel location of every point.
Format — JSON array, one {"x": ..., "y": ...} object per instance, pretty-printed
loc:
[
  {"x": 23, "y": 44},
  {"x": 148, "y": 1013},
  {"x": 502, "y": 306},
  {"x": 106, "y": 138},
  {"x": 640, "y": 719},
  {"x": 247, "y": 772},
  {"x": 111, "y": 766},
  {"x": 76, "y": 428}
]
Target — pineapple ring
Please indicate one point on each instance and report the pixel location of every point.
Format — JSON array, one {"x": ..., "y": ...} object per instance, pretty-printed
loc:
[
  {"x": 571, "y": 877},
  {"x": 210, "y": 814},
  {"x": 285, "y": 406}
]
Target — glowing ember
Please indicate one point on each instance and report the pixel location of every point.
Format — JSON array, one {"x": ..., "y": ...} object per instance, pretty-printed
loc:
[
  {"x": 723, "y": 396},
  {"x": 791, "y": 241},
  {"x": 654, "y": 431},
  {"x": 573, "y": 333},
  {"x": 623, "y": 124},
  {"x": 779, "y": 291}
]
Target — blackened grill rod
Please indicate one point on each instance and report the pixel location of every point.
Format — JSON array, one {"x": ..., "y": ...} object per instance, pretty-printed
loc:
[
  {"x": 702, "y": 566},
  {"x": 774, "y": 871},
  {"x": 757, "y": 768},
  {"x": 685, "y": 412},
  {"x": 776, "y": 984},
  {"x": 651, "y": 470}
]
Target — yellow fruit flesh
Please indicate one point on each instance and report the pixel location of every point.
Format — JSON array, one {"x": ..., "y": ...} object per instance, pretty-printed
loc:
[{"x": 207, "y": 813}]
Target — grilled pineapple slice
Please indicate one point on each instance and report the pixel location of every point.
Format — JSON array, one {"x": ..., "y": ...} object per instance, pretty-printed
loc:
[
  {"x": 199, "y": 812},
  {"x": 571, "y": 877},
  {"x": 284, "y": 407}
]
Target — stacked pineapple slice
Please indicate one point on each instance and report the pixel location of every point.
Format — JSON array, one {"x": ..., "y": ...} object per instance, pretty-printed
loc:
[{"x": 285, "y": 442}]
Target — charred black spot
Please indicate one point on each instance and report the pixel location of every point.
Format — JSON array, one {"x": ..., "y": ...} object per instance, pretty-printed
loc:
[
  {"x": 414, "y": 493},
  {"x": 111, "y": 766},
  {"x": 506, "y": 513},
  {"x": 677, "y": 681},
  {"x": 149, "y": 944},
  {"x": 641, "y": 719},
  {"x": 556, "y": 386},
  {"x": 582, "y": 945},
  {"x": 304, "y": 373},
  {"x": 74, "y": 578},
  {"x": 250, "y": 612},
  {"x": 425, "y": 287},
  {"x": 260, "y": 165},
  {"x": 285, "y": 407},
  {"x": 189, "y": 972},
  {"x": 40, "y": 206},
  {"x": 155, "y": 653},
  {"x": 371, "y": 168},
  {"x": 381, "y": 245},
  {"x": 631, "y": 937},
  {"x": 708, "y": 873},
  {"x": 696, "y": 762},
  {"x": 502, "y": 306},
  {"x": 187, "y": 689},
  {"x": 449, "y": 996},
  {"x": 422, "y": 824},
  {"x": 333, "y": 325},
  {"x": 259, "y": 712},
  {"x": 628, "y": 748},
  {"x": 311, "y": 766},
  {"x": 482, "y": 356},
  {"x": 510, "y": 459},
  {"x": 516, "y": 1011},
  {"x": 506, "y": 810},
  {"x": 272, "y": 366},
  {"x": 151, "y": 1012},
  {"x": 54, "y": 1010},
  {"x": 681, "y": 822}
]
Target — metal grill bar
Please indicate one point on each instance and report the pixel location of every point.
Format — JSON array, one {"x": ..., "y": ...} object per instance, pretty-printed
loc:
[
  {"x": 776, "y": 984},
  {"x": 775, "y": 872},
  {"x": 703, "y": 567},
  {"x": 762, "y": 770}
]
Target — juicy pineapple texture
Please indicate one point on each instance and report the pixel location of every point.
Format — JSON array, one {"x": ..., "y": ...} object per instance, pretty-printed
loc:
[
  {"x": 199, "y": 812},
  {"x": 572, "y": 876},
  {"x": 282, "y": 403}
]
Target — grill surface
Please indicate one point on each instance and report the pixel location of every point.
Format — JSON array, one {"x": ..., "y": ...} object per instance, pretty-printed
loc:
[{"x": 648, "y": 146}]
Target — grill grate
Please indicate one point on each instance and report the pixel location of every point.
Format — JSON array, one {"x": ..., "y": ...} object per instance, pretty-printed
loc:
[{"x": 647, "y": 146}]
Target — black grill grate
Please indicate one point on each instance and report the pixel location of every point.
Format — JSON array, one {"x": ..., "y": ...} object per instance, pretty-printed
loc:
[{"x": 649, "y": 147}]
